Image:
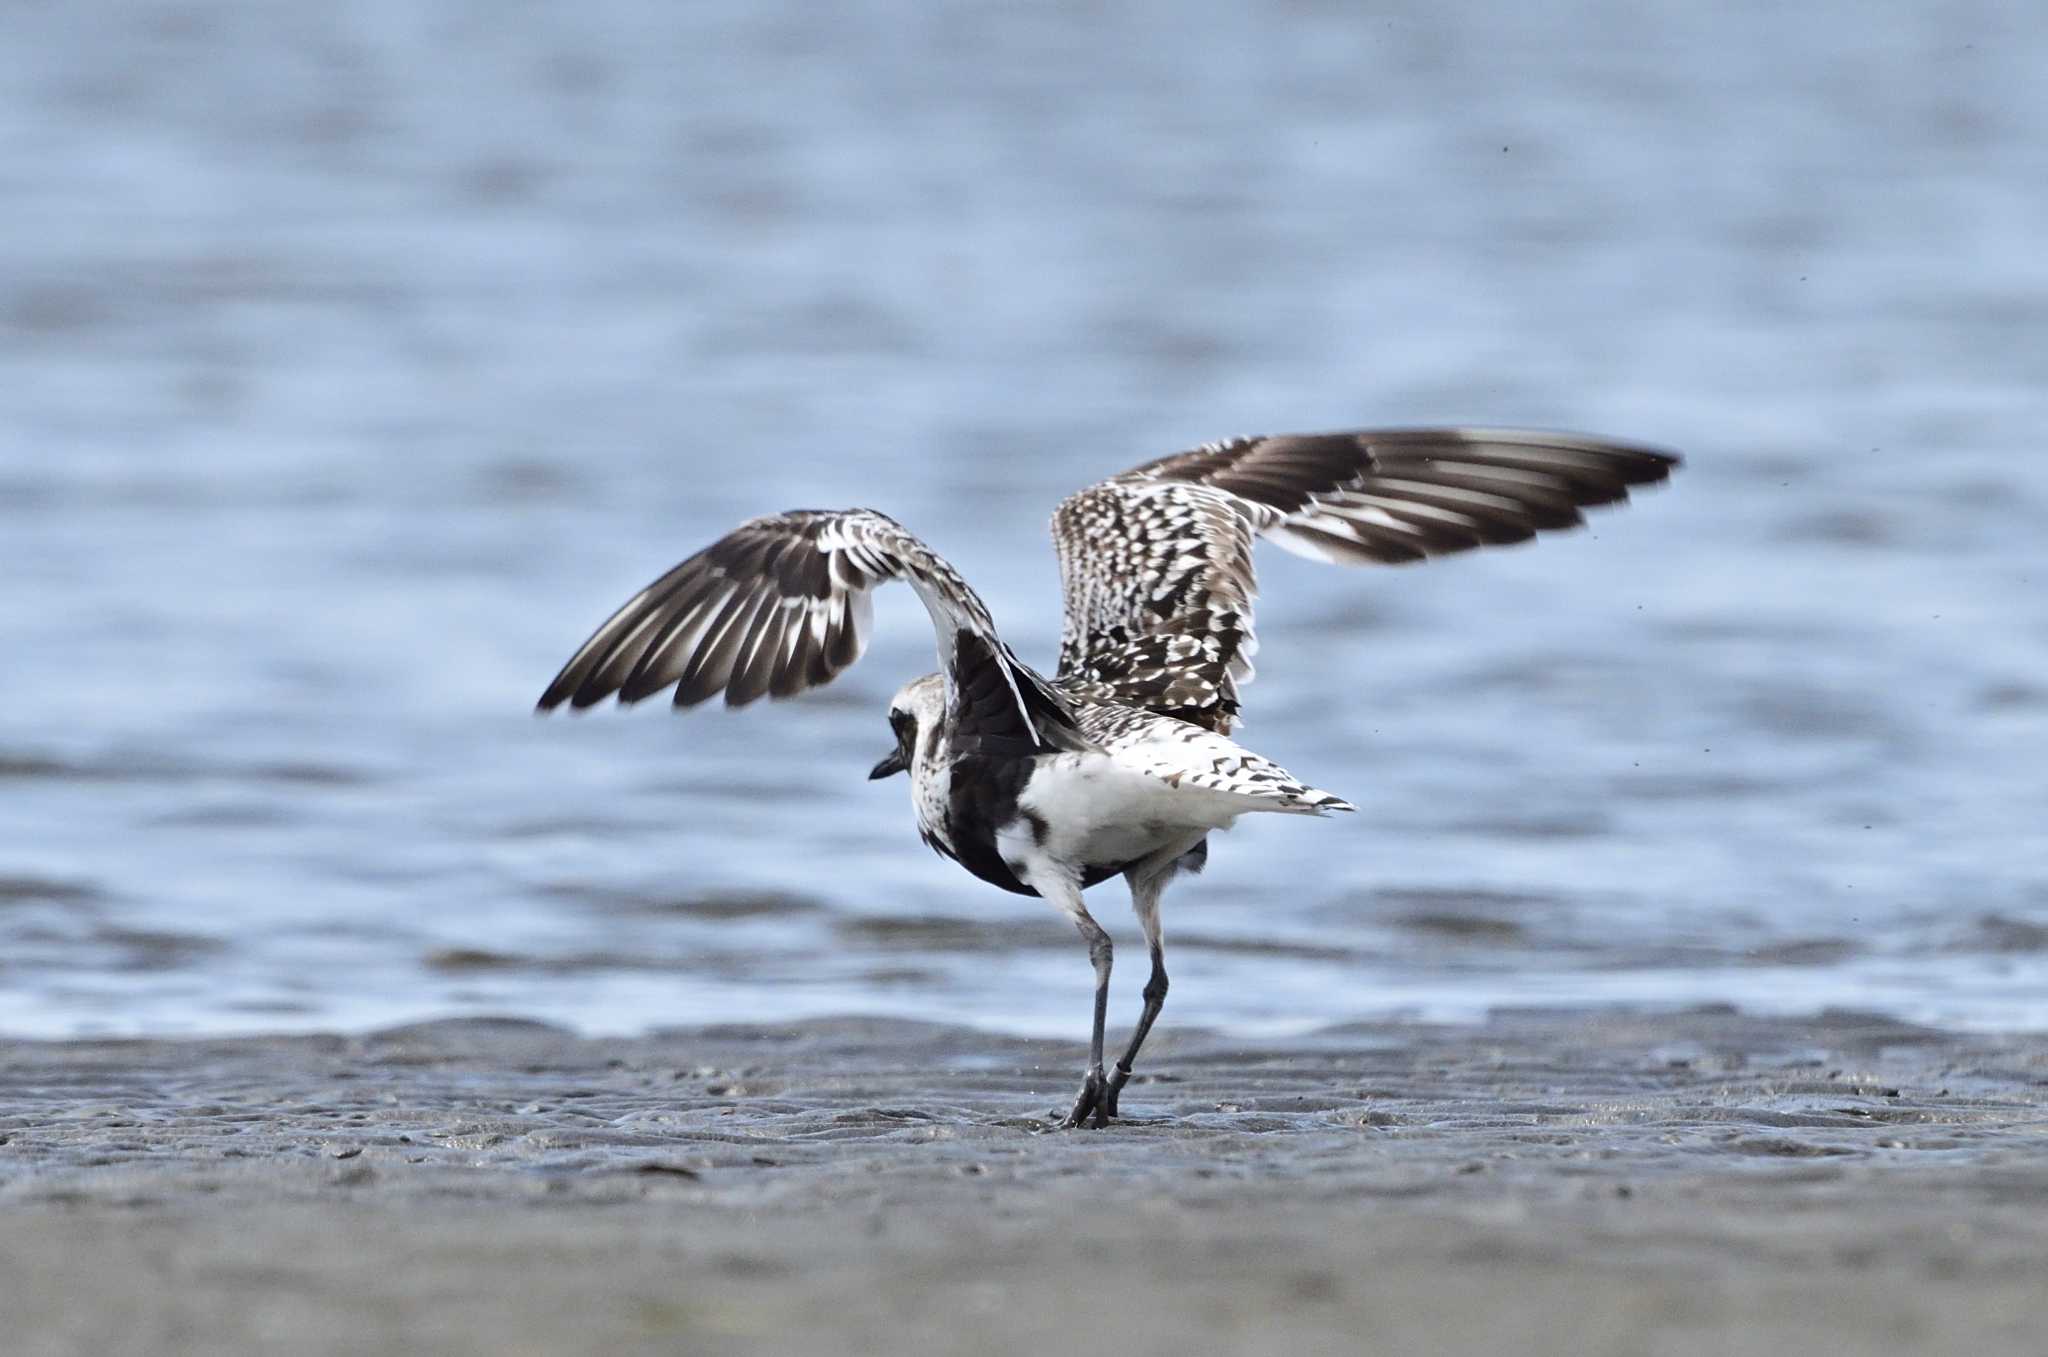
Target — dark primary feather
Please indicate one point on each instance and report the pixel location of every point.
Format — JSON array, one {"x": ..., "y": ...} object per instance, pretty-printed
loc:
[
  {"x": 1157, "y": 562},
  {"x": 781, "y": 604}
]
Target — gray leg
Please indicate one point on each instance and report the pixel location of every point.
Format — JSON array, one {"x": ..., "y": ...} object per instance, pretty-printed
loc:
[
  {"x": 1093, "y": 1097},
  {"x": 1155, "y": 999},
  {"x": 1061, "y": 887},
  {"x": 1146, "y": 888}
]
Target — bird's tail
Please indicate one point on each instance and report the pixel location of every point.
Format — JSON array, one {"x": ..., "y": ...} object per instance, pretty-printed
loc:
[
  {"x": 1316, "y": 801},
  {"x": 1182, "y": 754},
  {"x": 1268, "y": 786}
]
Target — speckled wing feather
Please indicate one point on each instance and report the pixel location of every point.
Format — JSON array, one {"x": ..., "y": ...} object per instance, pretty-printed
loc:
[
  {"x": 1159, "y": 587},
  {"x": 1157, "y": 562},
  {"x": 782, "y": 604}
]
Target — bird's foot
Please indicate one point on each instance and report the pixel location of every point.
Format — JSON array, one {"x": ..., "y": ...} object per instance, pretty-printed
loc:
[{"x": 1094, "y": 1101}]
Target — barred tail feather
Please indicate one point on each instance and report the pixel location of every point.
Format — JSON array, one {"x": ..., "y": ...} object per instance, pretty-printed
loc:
[
  {"x": 1316, "y": 801},
  {"x": 1183, "y": 754}
]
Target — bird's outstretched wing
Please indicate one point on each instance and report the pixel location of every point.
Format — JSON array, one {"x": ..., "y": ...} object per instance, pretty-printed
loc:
[
  {"x": 1157, "y": 562},
  {"x": 782, "y": 604}
]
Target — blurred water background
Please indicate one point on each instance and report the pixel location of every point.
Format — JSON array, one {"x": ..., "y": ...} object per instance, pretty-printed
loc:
[{"x": 356, "y": 360}]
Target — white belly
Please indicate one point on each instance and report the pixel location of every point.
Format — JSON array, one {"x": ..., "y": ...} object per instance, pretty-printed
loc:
[{"x": 1096, "y": 812}]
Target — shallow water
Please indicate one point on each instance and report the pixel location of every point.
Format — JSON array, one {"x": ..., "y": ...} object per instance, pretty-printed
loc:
[{"x": 355, "y": 364}]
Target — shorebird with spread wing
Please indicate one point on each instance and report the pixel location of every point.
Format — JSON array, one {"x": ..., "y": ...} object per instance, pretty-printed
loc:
[{"x": 1121, "y": 764}]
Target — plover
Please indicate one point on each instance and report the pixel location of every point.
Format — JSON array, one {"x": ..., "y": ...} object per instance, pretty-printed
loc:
[{"x": 1121, "y": 763}]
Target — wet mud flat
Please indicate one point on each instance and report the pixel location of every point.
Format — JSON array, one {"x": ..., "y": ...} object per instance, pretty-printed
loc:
[{"x": 1587, "y": 1182}]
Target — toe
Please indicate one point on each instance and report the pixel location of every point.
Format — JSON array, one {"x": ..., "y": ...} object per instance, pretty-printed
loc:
[{"x": 1093, "y": 1100}]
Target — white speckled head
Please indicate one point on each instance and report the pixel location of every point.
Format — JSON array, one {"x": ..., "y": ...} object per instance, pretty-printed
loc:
[
  {"x": 922, "y": 698},
  {"x": 918, "y": 709}
]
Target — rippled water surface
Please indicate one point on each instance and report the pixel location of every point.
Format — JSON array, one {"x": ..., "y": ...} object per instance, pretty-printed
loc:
[{"x": 355, "y": 361}]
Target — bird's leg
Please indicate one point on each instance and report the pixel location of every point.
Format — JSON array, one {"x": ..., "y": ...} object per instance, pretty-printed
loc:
[
  {"x": 1093, "y": 1098},
  {"x": 1148, "y": 883},
  {"x": 1155, "y": 999},
  {"x": 1060, "y": 885}
]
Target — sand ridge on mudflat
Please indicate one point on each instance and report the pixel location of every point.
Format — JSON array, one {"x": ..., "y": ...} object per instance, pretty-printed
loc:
[{"x": 1552, "y": 1182}]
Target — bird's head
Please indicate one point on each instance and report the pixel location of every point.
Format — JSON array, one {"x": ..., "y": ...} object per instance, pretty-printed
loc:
[{"x": 915, "y": 714}]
